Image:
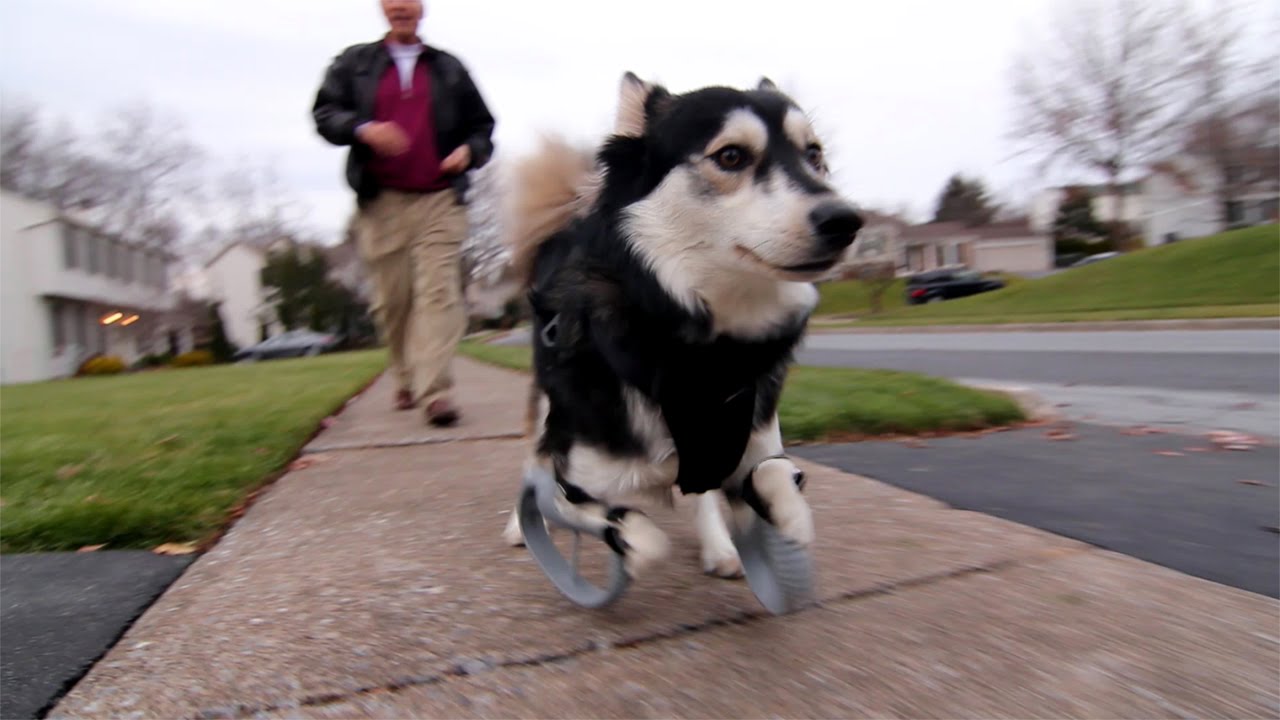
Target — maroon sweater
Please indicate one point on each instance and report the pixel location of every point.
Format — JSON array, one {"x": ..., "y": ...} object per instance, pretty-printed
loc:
[{"x": 417, "y": 170}]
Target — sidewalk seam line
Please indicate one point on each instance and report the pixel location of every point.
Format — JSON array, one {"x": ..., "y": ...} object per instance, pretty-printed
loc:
[
  {"x": 391, "y": 444},
  {"x": 462, "y": 670}
]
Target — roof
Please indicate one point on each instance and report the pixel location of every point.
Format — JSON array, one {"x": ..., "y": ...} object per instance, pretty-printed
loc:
[
  {"x": 954, "y": 229},
  {"x": 937, "y": 230},
  {"x": 871, "y": 217}
]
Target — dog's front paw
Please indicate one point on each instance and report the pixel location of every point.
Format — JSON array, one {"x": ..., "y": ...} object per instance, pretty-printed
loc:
[
  {"x": 776, "y": 484},
  {"x": 722, "y": 563},
  {"x": 641, "y": 542},
  {"x": 512, "y": 535}
]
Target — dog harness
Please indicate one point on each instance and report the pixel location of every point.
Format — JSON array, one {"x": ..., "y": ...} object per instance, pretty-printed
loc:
[{"x": 707, "y": 391}]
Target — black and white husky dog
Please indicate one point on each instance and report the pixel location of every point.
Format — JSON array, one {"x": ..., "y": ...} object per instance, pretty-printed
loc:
[{"x": 670, "y": 273}]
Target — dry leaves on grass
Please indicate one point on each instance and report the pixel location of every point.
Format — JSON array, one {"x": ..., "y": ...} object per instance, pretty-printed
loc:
[
  {"x": 174, "y": 549},
  {"x": 66, "y": 472}
]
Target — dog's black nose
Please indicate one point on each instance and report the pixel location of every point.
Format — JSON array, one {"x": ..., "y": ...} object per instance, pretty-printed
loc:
[{"x": 835, "y": 224}]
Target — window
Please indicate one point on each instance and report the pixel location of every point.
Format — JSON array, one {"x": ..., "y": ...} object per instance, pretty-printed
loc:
[
  {"x": 56, "y": 317},
  {"x": 93, "y": 252},
  {"x": 951, "y": 254},
  {"x": 78, "y": 321},
  {"x": 70, "y": 247},
  {"x": 128, "y": 264}
]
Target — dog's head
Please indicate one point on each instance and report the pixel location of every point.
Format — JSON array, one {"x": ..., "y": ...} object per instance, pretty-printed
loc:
[{"x": 729, "y": 180}]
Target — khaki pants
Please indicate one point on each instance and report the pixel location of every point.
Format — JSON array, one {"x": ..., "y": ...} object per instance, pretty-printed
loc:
[{"x": 412, "y": 244}]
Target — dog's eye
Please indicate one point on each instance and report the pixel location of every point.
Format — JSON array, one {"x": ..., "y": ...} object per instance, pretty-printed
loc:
[
  {"x": 813, "y": 154},
  {"x": 732, "y": 158}
]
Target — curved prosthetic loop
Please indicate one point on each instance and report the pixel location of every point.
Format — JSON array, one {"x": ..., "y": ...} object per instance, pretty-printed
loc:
[
  {"x": 538, "y": 503},
  {"x": 773, "y": 530}
]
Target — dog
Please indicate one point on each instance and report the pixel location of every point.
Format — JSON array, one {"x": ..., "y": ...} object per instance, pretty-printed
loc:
[{"x": 671, "y": 277}]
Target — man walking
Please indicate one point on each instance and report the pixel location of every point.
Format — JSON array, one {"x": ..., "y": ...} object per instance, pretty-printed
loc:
[{"x": 416, "y": 124}]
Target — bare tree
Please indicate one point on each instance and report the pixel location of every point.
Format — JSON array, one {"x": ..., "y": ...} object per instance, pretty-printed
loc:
[
  {"x": 1108, "y": 90},
  {"x": 153, "y": 171},
  {"x": 1238, "y": 114},
  {"x": 483, "y": 252}
]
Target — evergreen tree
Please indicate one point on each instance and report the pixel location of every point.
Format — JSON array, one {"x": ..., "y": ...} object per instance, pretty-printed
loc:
[{"x": 964, "y": 200}]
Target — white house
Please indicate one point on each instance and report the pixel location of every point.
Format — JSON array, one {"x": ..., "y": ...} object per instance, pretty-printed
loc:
[
  {"x": 233, "y": 278},
  {"x": 70, "y": 292},
  {"x": 1176, "y": 199}
]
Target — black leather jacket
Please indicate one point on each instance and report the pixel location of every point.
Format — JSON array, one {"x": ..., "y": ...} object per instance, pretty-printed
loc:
[{"x": 346, "y": 99}]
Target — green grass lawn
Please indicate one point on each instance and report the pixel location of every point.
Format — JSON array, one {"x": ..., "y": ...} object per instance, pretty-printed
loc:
[
  {"x": 853, "y": 298},
  {"x": 1235, "y": 274},
  {"x": 133, "y": 461},
  {"x": 823, "y": 403}
]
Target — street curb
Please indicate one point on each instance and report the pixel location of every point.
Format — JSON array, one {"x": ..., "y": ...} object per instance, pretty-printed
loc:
[
  {"x": 1033, "y": 404},
  {"x": 1082, "y": 326}
]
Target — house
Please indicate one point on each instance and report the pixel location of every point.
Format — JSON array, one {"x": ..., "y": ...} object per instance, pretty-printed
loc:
[
  {"x": 1011, "y": 247},
  {"x": 233, "y": 278},
  {"x": 70, "y": 292},
  {"x": 1180, "y": 197}
]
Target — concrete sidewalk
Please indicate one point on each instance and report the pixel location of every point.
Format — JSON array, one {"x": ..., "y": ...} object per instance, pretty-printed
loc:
[{"x": 372, "y": 582}]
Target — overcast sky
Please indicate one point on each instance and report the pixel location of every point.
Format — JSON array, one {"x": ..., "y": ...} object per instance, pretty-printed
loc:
[{"x": 905, "y": 92}]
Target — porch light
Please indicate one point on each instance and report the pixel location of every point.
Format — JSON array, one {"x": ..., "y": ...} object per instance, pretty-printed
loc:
[
  {"x": 129, "y": 321},
  {"x": 112, "y": 318}
]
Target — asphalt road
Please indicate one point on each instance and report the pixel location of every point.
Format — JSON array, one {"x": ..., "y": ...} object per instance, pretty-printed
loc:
[
  {"x": 62, "y": 611},
  {"x": 1188, "y": 511},
  {"x": 1191, "y": 380}
]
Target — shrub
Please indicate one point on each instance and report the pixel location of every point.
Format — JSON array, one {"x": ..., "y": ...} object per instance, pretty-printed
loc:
[
  {"x": 193, "y": 359},
  {"x": 153, "y": 361},
  {"x": 103, "y": 365}
]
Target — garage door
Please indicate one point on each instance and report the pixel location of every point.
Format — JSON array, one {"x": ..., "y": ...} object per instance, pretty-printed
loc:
[{"x": 1030, "y": 256}]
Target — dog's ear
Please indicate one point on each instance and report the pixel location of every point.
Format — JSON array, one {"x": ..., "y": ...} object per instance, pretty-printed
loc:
[
  {"x": 633, "y": 96},
  {"x": 767, "y": 85}
]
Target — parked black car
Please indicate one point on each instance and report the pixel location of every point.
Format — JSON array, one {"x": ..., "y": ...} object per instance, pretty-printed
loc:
[
  {"x": 939, "y": 285},
  {"x": 294, "y": 343}
]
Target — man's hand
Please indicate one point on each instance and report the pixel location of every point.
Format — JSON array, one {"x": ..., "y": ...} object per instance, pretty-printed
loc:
[
  {"x": 386, "y": 138},
  {"x": 458, "y": 161}
]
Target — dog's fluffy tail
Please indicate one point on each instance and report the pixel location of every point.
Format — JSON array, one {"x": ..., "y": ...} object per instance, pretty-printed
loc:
[{"x": 546, "y": 190}]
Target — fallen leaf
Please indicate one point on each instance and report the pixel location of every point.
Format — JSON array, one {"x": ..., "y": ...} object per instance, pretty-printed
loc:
[
  {"x": 66, "y": 472},
  {"x": 1238, "y": 446},
  {"x": 1198, "y": 449},
  {"x": 1169, "y": 453},
  {"x": 300, "y": 464},
  {"x": 1142, "y": 430},
  {"x": 91, "y": 548},
  {"x": 1252, "y": 482},
  {"x": 174, "y": 549},
  {"x": 1059, "y": 434},
  {"x": 167, "y": 440}
]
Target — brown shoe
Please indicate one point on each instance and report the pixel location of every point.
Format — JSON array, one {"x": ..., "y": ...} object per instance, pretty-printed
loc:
[
  {"x": 442, "y": 413},
  {"x": 404, "y": 400}
]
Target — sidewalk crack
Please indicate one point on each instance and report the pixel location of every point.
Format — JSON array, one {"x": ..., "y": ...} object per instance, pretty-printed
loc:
[{"x": 471, "y": 667}]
